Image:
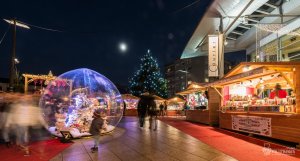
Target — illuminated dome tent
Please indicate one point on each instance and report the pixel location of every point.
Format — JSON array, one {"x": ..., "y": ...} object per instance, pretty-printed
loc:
[{"x": 70, "y": 100}]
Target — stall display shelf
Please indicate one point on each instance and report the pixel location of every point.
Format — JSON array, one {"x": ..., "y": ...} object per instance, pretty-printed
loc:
[{"x": 261, "y": 108}]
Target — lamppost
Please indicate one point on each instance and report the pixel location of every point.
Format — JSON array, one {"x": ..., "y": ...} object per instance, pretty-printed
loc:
[
  {"x": 16, "y": 60},
  {"x": 13, "y": 61}
]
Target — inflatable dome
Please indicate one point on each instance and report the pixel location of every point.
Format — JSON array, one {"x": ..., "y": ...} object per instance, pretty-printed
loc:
[{"x": 70, "y": 100}]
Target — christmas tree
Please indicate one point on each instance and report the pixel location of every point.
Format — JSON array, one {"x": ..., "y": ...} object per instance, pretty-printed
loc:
[{"x": 148, "y": 78}]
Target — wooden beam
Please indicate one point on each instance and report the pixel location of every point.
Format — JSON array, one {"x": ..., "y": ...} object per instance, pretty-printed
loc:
[
  {"x": 288, "y": 80},
  {"x": 218, "y": 91},
  {"x": 247, "y": 78},
  {"x": 280, "y": 69}
]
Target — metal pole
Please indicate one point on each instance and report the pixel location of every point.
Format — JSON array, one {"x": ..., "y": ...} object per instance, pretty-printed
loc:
[
  {"x": 185, "y": 79},
  {"x": 279, "y": 43},
  {"x": 237, "y": 17},
  {"x": 257, "y": 47},
  {"x": 13, "y": 56}
]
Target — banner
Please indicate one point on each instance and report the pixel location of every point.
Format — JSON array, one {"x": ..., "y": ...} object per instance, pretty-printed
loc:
[
  {"x": 213, "y": 55},
  {"x": 252, "y": 124}
]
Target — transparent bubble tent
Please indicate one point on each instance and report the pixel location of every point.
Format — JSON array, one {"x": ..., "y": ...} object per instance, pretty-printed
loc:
[{"x": 70, "y": 100}]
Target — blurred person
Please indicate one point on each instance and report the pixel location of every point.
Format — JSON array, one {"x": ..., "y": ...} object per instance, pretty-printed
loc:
[
  {"x": 5, "y": 110},
  {"x": 8, "y": 100},
  {"x": 278, "y": 92},
  {"x": 24, "y": 114},
  {"x": 161, "y": 109},
  {"x": 96, "y": 127},
  {"x": 152, "y": 112},
  {"x": 165, "y": 108},
  {"x": 142, "y": 110}
]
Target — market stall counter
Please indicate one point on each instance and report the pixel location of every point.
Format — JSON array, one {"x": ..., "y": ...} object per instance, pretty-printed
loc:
[
  {"x": 202, "y": 104},
  {"x": 262, "y": 98},
  {"x": 130, "y": 104},
  {"x": 175, "y": 106}
]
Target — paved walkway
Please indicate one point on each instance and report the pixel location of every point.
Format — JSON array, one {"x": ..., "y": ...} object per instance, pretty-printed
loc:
[{"x": 129, "y": 142}]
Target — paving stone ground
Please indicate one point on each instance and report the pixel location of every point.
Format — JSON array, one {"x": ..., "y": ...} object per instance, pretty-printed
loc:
[{"x": 129, "y": 142}]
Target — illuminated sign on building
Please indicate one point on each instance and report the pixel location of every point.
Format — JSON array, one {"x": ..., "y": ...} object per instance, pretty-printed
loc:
[{"x": 213, "y": 55}]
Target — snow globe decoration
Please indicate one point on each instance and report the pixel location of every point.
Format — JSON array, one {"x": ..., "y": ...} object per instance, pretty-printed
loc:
[{"x": 70, "y": 100}]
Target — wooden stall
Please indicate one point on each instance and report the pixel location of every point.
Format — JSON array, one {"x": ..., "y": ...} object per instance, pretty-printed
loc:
[
  {"x": 41, "y": 79},
  {"x": 159, "y": 100},
  {"x": 261, "y": 98},
  {"x": 131, "y": 103},
  {"x": 175, "y": 106},
  {"x": 202, "y": 104}
]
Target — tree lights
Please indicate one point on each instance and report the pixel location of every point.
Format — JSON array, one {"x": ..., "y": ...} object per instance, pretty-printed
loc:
[{"x": 148, "y": 78}]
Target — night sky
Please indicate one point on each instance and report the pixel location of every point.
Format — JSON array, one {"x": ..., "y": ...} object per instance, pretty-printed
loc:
[{"x": 92, "y": 31}]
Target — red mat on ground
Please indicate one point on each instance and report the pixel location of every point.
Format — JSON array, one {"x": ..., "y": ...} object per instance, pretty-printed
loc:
[
  {"x": 39, "y": 151},
  {"x": 239, "y": 146}
]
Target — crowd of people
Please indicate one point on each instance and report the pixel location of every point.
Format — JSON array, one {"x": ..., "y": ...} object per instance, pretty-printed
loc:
[
  {"x": 148, "y": 107},
  {"x": 19, "y": 114}
]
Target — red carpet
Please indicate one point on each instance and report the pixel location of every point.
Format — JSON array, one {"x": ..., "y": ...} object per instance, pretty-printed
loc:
[
  {"x": 239, "y": 146},
  {"x": 39, "y": 151}
]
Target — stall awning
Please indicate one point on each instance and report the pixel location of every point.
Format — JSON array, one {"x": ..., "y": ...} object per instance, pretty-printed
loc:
[
  {"x": 251, "y": 70},
  {"x": 192, "y": 88},
  {"x": 176, "y": 99},
  {"x": 129, "y": 96},
  {"x": 157, "y": 98}
]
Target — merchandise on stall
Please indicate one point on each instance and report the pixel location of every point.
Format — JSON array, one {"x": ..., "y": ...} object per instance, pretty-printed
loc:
[
  {"x": 269, "y": 93},
  {"x": 70, "y": 100},
  {"x": 261, "y": 98},
  {"x": 175, "y": 103},
  {"x": 196, "y": 97},
  {"x": 197, "y": 100},
  {"x": 130, "y": 101}
]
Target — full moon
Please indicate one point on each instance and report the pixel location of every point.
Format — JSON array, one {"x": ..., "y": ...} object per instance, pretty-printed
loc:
[{"x": 123, "y": 47}]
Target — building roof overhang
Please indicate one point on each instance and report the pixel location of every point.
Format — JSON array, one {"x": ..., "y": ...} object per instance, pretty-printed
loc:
[{"x": 228, "y": 10}]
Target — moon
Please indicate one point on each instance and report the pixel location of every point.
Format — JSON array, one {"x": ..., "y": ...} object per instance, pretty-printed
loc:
[{"x": 123, "y": 47}]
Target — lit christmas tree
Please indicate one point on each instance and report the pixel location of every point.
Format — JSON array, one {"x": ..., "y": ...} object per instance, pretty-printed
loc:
[{"x": 148, "y": 78}]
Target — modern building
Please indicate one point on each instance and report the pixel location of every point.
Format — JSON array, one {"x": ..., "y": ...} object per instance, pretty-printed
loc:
[
  {"x": 268, "y": 30},
  {"x": 183, "y": 71}
]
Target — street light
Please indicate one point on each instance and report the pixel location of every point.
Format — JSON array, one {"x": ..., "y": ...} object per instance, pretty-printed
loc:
[
  {"x": 16, "y": 70},
  {"x": 12, "y": 22},
  {"x": 13, "y": 61},
  {"x": 17, "y": 61}
]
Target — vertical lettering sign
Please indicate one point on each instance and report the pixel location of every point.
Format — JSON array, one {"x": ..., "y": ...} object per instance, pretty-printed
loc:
[{"x": 213, "y": 55}]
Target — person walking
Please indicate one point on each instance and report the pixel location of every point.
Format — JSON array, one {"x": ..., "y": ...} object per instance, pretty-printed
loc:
[
  {"x": 142, "y": 110},
  {"x": 161, "y": 109},
  {"x": 165, "y": 108},
  {"x": 23, "y": 115},
  {"x": 152, "y": 111},
  {"x": 95, "y": 128},
  {"x": 5, "y": 112}
]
